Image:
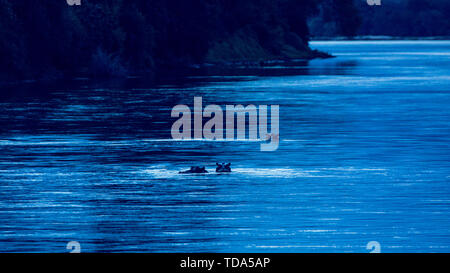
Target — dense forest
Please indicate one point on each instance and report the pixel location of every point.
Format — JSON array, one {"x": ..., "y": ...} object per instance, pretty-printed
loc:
[
  {"x": 399, "y": 18},
  {"x": 41, "y": 39},
  {"x": 51, "y": 39}
]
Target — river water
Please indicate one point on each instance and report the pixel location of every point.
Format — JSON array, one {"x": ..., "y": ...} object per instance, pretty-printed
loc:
[{"x": 364, "y": 156}]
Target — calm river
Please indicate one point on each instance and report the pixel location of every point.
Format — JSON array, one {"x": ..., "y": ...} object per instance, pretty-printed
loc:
[{"x": 364, "y": 156}]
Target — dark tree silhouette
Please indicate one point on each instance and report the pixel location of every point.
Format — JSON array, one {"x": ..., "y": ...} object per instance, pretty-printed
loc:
[{"x": 115, "y": 37}]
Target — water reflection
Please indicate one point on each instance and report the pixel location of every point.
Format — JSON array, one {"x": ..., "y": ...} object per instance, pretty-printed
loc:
[{"x": 363, "y": 156}]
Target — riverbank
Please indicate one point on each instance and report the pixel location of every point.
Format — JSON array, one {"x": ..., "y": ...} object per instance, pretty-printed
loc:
[
  {"x": 180, "y": 69},
  {"x": 379, "y": 38}
]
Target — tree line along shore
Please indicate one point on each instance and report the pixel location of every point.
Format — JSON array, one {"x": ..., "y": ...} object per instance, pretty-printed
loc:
[{"x": 116, "y": 38}]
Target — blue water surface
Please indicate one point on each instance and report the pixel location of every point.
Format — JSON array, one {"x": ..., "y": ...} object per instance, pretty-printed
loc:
[{"x": 364, "y": 156}]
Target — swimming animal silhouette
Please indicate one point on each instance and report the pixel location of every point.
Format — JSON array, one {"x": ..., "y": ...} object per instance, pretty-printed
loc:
[
  {"x": 223, "y": 168},
  {"x": 196, "y": 169}
]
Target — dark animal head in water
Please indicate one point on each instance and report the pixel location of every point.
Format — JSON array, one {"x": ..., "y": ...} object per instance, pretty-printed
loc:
[
  {"x": 195, "y": 169},
  {"x": 223, "y": 168}
]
